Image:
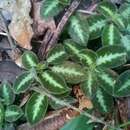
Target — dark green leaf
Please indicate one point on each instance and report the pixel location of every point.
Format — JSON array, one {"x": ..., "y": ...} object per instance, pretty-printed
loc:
[
  {"x": 122, "y": 87},
  {"x": 53, "y": 82},
  {"x": 13, "y": 113},
  {"x": 29, "y": 59},
  {"x": 36, "y": 108},
  {"x": 111, "y": 35},
  {"x": 79, "y": 30},
  {"x": 111, "y": 56},
  {"x": 73, "y": 73},
  {"x": 96, "y": 24},
  {"x": 78, "y": 123},
  {"x": 6, "y": 93},
  {"x": 56, "y": 55},
  {"x": 50, "y": 8},
  {"x": 107, "y": 9},
  {"x": 103, "y": 101},
  {"x": 23, "y": 82}
]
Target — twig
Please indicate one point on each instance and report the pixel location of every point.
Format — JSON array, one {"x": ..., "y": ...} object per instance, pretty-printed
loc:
[{"x": 58, "y": 101}]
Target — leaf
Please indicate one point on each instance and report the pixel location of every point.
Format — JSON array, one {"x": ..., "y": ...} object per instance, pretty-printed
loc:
[
  {"x": 122, "y": 87},
  {"x": 53, "y": 82},
  {"x": 107, "y": 79},
  {"x": 13, "y": 113},
  {"x": 125, "y": 41},
  {"x": 36, "y": 108},
  {"x": 73, "y": 73},
  {"x": 20, "y": 27},
  {"x": 88, "y": 86},
  {"x": 96, "y": 24},
  {"x": 50, "y": 8},
  {"x": 78, "y": 30},
  {"x": 1, "y": 114},
  {"x": 111, "y": 35},
  {"x": 78, "y": 123},
  {"x": 56, "y": 55},
  {"x": 88, "y": 57},
  {"x": 29, "y": 59},
  {"x": 120, "y": 21},
  {"x": 72, "y": 48},
  {"x": 23, "y": 82},
  {"x": 124, "y": 10},
  {"x": 111, "y": 56},
  {"x": 103, "y": 101},
  {"x": 107, "y": 9},
  {"x": 6, "y": 93}
]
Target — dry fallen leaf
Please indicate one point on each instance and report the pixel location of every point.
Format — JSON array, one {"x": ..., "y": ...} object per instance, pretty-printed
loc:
[
  {"x": 20, "y": 26},
  {"x": 84, "y": 102}
]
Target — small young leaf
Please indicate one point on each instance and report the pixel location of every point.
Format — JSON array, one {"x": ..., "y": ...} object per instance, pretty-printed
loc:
[
  {"x": 107, "y": 79},
  {"x": 88, "y": 57},
  {"x": 53, "y": 82},
  {"x": 78, "y": 123},
  {"x": 73, "y": 73},
  {"x": 103, "y": 101},
  {"x": 88, "y": 85},
  {"x": 13, "y": 113},
  {"x": 111, "y": 56},
  {"x": 125, "y": 41},
  {"x": 50, "y": 8},
  {"x": 122, "y": 87},
  {"x": 79, "y": 30},
  {"x": 29, "y": 59},
  {"x": 107, "y": 9},
  {"x": 111, "y": 35},
  {"x": 6, "y": 93},
  {"x": 36, "y": 108},
  {"x": 96, "y": 24},
  {"x": 1, "y": 114},
  {"x": 23, "y": 82},
  {"x": 72, "y": 48},
  {"x": 56, "y": 55}
]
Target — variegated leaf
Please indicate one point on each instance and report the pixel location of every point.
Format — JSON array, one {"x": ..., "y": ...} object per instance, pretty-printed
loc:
[
  {"x": 50, "y": 8},
  {"x": 36, "y": 108},
  {"x": 88, "y": 57},
  {"x": 96, "y": 24},
  {"x": 107, "y": 9},
  {"x": 106, "y": 79},
  {"x": 103, "y": 101},
  {"x": 53, "y": 82},
  {"x": 122, "y": 87},
  {"x": 120, "y": 21},
  {"x": 13, "y": 113},
  {"x": 124, "y": 10},
  {"x": 29, "y": 59},
  {"x": 125, "y": 41},
  {"x": 72, "y": 48},
  {"x": 2, "y": 113},
  {"x": 73, "y": 73},
  {"x": 23, "y": 82},
  {"x": 111, "y": 56},
  {"x": 88, "y": 85},
  {"x": 111, "y": 35},
  {"x": 6, "y": 93},
  {"x": 56, "y": 55},
  {"x": 79, "y": 30}
]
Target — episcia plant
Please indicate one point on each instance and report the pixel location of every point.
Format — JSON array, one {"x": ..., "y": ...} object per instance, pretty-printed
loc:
[{"x": 38, "y": 75}]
